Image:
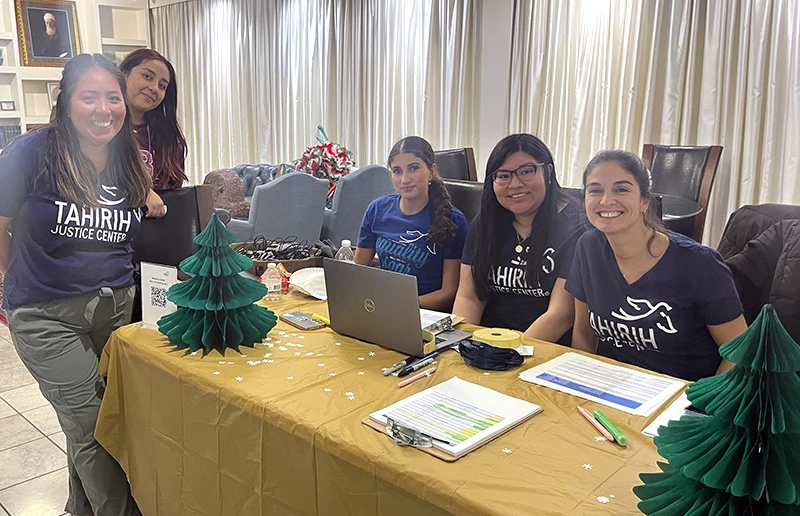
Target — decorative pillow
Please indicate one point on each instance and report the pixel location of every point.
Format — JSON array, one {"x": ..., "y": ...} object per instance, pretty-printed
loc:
[{"x": 228, "y": 193}]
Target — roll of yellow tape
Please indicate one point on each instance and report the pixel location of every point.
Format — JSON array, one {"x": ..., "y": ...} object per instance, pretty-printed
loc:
[
  {"x": 499, "y": 337},
  {"x": 429, "y": 340}
]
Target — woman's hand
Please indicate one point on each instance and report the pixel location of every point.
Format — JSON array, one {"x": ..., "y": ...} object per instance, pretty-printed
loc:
[{"x": 155, "y": 206}]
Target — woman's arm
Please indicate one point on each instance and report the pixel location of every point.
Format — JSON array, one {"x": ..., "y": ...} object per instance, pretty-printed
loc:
[
  {"x": 5, "y": 244},
  {"x": 442, "y": 299},
  {"x": 558, "y": 318},
  {"x": 583, "y": 336},
  {"x": 725, "y": 332},
  {"x": 364, "y": 256},
  {"x": 467, "y": 304},
  {"x": 155, "y": 206}
]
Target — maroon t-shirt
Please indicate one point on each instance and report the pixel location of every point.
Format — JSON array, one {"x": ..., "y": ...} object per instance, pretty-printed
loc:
[{"x": 162, "y": 179}]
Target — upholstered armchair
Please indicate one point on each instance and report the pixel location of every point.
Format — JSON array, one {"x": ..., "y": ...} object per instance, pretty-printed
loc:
[
  {"x": 353, "y": 194},
  {"x": 291, "y": 205}
]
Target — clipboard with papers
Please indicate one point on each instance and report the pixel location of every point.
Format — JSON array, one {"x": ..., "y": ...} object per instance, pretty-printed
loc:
[{"x": 453, "y": 418}]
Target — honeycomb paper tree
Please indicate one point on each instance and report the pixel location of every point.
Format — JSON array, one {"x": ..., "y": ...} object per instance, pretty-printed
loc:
[
  {"x": 215, "y": 306},
  {"x": 744, "y": 457}
]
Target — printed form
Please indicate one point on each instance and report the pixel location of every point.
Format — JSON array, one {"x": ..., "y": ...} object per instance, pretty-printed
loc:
[{"x": 618, "y": 387}]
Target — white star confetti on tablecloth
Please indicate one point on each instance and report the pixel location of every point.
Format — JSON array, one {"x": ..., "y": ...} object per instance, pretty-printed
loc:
[
  {"x": 278, "y": 341},
  {"x": 244, "y": 356},
  {"x": 327, "y": 389},
  {"x": 320, "y": 365},
  {"x": 268, "y": 339},
  {"x": 486, "y": 374},
  {"x": 611, "y": 496},
  {"x": 216, "y": 372},
  {"x": 301, "y": 337},
  {"x": 299, "y": 346},
  {"x": 290, "y": 377},
  {"x": 338, "y": 343},
  {"x": 361, "y": 358},
  {"x": 270, "y": 345},
  {"x": 372, "y": 353},
  {"x": 281, "y": 333},
  {"x": 599, "y": 438},
  {"x": 267, "y": 355},
  {"x": 193, "y": 353},
  {"x": 294, "y": 335},
  {"x": 361, "y": 373},
  {"x": 239, "y": 378},
  {"x": 333, "y": 374},
  {"x": 268, "y": 361},
  {"x": 348, "y": 393},
  {"x": 282, "y": 348},
  {"x": 587, "y": 466},
  {"x": 221, "y": 362},
  {"x": 297, "y": 353},
  {"x": 310, "y": 354},
  {"x": 230, "y": 363},
  {"x": 603, "y": 499},
  {"x": 506, "y": 450}
]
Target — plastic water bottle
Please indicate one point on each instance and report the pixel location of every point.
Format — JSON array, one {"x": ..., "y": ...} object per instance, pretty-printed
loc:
[
  {"x": 272, "y": 280},
  {"x": 345, "y": 253}
]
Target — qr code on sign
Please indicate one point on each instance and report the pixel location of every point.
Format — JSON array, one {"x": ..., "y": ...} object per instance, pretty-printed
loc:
[{"x": 158, "y": 297}]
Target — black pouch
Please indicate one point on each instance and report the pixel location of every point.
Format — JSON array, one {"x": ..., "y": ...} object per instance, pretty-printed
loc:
[{"x": 483, "y": 356}]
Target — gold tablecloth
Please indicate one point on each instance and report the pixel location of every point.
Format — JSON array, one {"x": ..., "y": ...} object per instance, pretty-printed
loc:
[{"x": 230, "y": 436}]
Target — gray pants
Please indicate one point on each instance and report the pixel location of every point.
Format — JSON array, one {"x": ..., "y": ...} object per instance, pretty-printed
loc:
[{"x": 60, "y": 343}]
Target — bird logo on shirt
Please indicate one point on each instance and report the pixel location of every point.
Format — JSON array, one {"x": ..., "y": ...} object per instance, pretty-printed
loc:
[
  {"x": 418, "y": 235},
  {"x": 647, "y": 309},
  {"x": 110, "y": 196}
]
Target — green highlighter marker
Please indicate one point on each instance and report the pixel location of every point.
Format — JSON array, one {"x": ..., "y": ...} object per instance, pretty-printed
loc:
[{"x": 612, "y": 429}]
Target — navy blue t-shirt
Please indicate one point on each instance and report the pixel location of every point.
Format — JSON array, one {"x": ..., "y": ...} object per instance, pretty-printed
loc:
[
  {"x": 514, "y": 300},
  {"x": 401, "y": 241},
  {"x": 59, "y": 249},
  {"x": 659, "y": 321}
]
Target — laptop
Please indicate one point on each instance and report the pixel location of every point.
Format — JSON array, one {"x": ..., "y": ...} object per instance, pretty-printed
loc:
[{"x": 378, "y": 306}]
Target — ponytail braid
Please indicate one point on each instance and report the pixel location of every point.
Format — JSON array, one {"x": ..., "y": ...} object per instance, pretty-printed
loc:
[{"x": 443, "y": 229}]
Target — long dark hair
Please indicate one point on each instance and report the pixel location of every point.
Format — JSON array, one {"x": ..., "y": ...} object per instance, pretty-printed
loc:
[
  {"x": 65, "y": 166},
  {"x": 168, "y": 141},
  {"x": 632, "y": 164},
  {"x": 490, "y": 241},
  {"x": 443, "y": 229}
]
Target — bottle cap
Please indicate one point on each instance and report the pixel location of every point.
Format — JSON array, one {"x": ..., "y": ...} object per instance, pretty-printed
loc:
[
  {"x": 271, "y": 265},
  {"x": 345, "y": 243}
]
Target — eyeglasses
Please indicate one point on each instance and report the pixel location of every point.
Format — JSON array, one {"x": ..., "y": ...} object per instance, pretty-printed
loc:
[{"x": 524, "y": 173}]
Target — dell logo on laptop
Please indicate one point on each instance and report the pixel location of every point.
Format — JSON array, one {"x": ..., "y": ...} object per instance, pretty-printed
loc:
[{"x": 369, "y": 305}]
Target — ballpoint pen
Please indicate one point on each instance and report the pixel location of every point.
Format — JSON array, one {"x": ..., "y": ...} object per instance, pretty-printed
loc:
[
  {"x": 416, "y": 377},
  {"x": 389, "y": 370},
  {"x": 600, "y": 428},
  {"x": 426, "y": 360}
]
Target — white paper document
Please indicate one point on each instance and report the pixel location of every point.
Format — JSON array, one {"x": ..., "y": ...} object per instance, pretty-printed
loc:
[
  {"x": 625, "y": 389},
  {"x": 674, "y": 412},
  {"x": 459, "y": 415},
  {"x": 156, "y": 280}
]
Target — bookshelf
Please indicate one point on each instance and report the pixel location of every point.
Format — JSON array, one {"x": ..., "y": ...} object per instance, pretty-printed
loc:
[{"x": 113, "y": 28}]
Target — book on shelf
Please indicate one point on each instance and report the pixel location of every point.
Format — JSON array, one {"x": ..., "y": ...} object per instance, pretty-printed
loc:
[{"x": 8, "y": 133}]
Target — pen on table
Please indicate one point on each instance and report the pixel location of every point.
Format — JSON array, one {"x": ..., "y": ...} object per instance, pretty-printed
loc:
[
  {"x": 600, "y": 428},
  {"x": 416, "y": 377},
  {"x": 321, "y": 318},
  {"x": 612, "y": 429},
  {"x": 389, "y": 370},
  {"x": 427, "y": 360}
]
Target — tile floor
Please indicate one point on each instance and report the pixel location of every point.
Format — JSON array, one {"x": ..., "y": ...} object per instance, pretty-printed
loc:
[{"x": 33, "y": 466}]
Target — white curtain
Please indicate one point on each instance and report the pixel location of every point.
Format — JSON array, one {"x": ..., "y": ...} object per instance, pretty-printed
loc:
[
  {"x": 588, "y": 75},
  {"x": 256, "y": 77}
]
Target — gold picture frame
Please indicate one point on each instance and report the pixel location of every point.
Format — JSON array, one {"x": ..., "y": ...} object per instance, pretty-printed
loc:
[{"x": 48, "y": 31}]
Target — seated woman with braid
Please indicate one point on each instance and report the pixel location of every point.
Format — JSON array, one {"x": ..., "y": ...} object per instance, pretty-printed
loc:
[{"x": 416, "y": 231}]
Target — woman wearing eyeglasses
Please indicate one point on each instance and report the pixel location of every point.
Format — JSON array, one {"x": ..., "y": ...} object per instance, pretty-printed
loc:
[{"x": 519, "y": 249}]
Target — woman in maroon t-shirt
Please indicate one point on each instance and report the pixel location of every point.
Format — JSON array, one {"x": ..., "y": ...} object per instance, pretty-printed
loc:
[{"x": 152, "y": 95}]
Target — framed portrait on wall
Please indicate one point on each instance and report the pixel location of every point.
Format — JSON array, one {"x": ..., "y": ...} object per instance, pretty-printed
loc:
[{"x": 48, "y": 31}]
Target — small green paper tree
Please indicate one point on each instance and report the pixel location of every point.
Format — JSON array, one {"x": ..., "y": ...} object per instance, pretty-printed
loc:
[
  {"x": 745, "y": 457},
  {"x": 215, "y": 307}
]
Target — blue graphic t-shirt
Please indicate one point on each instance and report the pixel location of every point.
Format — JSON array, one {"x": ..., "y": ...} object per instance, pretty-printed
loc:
[
  {"x": 60, "y": 249},
  {"x": 401, "y": 241},
  {"x": 515, "y": 301},
  {"x": 659, "y": 321}
]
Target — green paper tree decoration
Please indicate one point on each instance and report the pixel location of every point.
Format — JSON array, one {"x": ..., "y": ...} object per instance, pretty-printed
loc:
[
  {"x": 215, "y": 306},
  {"x": 744, "y": 457}
]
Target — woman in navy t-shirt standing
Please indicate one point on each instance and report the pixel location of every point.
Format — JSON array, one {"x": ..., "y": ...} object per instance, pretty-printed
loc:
[
  {"x": 72, "y": 195},
  {"x": 645, "y": 296},
  {"x": 520, "y": 247},
  {"x": 416, "y": 231}
]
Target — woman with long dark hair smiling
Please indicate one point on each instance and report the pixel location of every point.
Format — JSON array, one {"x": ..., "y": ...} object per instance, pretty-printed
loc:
[
  {"x": 72, "y": 193},
  {"x": 520, "y": 246},
  {"x": 416, "y": 231},
  {"x": 152, "y": 95}
]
